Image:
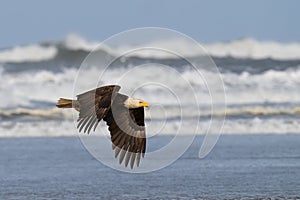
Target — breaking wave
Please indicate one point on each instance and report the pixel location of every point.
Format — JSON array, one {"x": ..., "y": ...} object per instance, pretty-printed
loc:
[
  {"x": 174, "y": 112},
  {"x": 30, "y": 53},
  {"x": 64, "y": 127},
  {"x": 251, "y": 48},
  {"x": 246, "y": 48},
  {"x": 28, "y": 88},
  {"x": 261, "y": 82}
]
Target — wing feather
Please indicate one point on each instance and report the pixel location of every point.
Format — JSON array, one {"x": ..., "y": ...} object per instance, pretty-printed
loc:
[
  {"x": 128, "y": 135},
  {"x": 94, "y": 105}
]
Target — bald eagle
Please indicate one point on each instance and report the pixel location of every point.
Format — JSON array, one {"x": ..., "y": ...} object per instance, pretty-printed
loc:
[{"x": 123, "y": 115}]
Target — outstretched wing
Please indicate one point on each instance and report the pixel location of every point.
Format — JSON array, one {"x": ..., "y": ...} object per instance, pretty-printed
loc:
[
  {"x": 94, "y": 104},
  {"x": 127, "y": 130}
]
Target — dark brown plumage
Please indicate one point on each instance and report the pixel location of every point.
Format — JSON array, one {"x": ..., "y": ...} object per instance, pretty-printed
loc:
[{"x": 125, "y": 123}]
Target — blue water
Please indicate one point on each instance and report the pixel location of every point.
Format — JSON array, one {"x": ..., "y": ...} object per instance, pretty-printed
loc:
[
  {"x": 248, "y": 166},
  {"x": 262, "y": 97}
]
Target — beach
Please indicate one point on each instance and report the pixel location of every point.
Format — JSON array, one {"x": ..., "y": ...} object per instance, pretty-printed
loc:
[{"x": 240, "y": 166}]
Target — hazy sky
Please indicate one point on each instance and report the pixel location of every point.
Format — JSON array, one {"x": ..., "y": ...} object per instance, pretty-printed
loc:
[{"x": 29, "y": 21}]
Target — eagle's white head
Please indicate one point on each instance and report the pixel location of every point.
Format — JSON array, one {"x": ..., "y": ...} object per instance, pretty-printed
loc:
[{"x": 135, "y": 103}]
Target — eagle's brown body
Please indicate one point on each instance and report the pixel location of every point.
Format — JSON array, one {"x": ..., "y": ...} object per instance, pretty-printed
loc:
[{"x": 126, "y": 124}]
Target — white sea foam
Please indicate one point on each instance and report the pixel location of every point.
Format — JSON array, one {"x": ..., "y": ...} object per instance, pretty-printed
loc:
[
  {"x": 250, "y": 48},
  {"x": 243, "y": 48},
  {"x": 163, "y": 112},
  {"x": 60, "y": 128},
  {"x": 270, "y": 86},
  {"x": 47, "y": 128},
  {"x": 75, "y": 42},
  {"x": 21, "y": 89},
  {"x": 30, "y": 53},
  {"x": 260, "y": 97}
]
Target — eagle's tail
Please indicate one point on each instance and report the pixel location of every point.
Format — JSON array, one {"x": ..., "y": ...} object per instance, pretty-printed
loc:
[{"x": 67, "y": 103}]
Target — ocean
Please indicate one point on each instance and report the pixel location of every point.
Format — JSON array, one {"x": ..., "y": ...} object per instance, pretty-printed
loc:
[
  {"x": 257, "y": 110},
  {"x": 239, "y": 167},
  {"x": 261, "y": 87}
]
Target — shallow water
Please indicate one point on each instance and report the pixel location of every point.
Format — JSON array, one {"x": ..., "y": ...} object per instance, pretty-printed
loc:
[{"x": 248, "y": 166}]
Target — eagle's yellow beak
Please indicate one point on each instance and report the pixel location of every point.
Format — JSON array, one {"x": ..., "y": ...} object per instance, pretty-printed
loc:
[{"x": 145, "y": 104}]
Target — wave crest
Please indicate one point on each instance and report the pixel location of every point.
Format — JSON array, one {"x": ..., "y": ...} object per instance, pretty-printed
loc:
[
  {"x": 246, "y": 48},
  {"x": 31, "y": 53}
]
